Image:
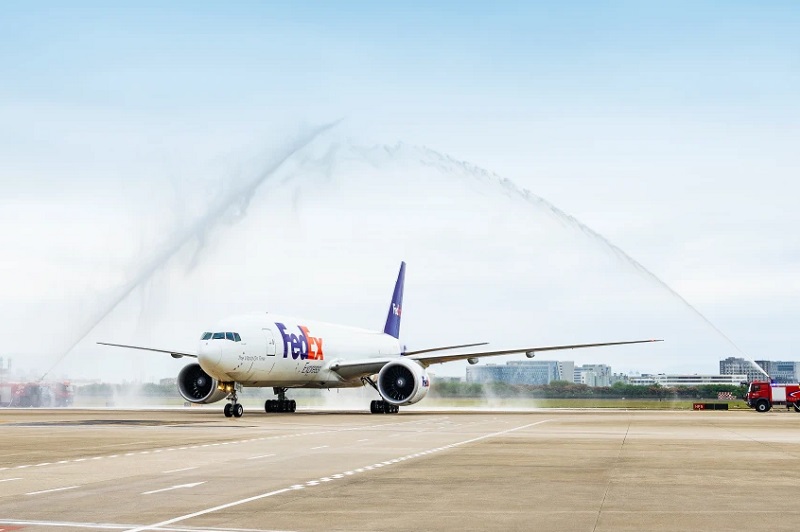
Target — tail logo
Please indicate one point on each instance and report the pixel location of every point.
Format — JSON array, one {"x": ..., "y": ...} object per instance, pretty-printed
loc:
[
  {"x": 396, "y": 310},
  {"x": 302, "y": 346}
]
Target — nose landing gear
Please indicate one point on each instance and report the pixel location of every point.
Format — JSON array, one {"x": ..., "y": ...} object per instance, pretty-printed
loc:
[{"x": 234, "y": 408}]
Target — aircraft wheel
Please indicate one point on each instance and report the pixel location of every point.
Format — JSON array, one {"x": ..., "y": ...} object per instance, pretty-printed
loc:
[
  {"x": 292, "y": 406},
  {"x": 228, "y": 411},
  {"x": 238, "y": 410}
]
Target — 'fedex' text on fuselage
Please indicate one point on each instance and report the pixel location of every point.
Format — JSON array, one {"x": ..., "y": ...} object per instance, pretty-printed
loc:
[{"x": 302, "y": 345}]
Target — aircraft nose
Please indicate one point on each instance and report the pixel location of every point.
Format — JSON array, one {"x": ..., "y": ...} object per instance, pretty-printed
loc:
[{"x": 209, "y": 354}]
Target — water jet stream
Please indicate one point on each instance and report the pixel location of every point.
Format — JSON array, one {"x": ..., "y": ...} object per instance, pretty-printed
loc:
[{"x": 238, "y": 196}]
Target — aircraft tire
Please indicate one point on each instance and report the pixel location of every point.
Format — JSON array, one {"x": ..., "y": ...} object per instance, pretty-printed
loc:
[
  {"x": 292, "y": 406},
  {"x": 228, "y": 410},
  {"x": 238, "y": 410}
]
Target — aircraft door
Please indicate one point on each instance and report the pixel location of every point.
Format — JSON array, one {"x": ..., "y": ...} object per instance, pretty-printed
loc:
[{"x": 271, "y": 350}]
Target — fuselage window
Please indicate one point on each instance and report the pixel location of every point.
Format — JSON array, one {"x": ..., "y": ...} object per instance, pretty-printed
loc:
[
  {"x": 218, "y": 336},
  {"x": 206, "y": 336},
  {"x": 229, "y": 336},
  {"x": 236, "y": 337}
]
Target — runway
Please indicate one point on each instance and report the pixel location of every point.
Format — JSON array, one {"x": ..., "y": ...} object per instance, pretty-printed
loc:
[{"x": 193, "y": 469}]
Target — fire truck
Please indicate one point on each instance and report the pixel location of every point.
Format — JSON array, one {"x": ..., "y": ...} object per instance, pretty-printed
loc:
[
  {"x": 763, "y": 395},
  {"x": 35, "y": 394}
]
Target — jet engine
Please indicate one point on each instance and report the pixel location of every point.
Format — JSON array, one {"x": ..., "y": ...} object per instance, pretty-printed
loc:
[
  {"x": 403, "y": 382},
  {"x": 196, "y": 386}
]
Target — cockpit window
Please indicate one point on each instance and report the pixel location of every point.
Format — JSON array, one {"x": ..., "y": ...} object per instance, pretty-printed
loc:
[
  {"x": 229, "y": 336},
  {"x": 236, "y": 337},
  {"x": 206, "y": 336},
  {"x": 218, "y": 336}
]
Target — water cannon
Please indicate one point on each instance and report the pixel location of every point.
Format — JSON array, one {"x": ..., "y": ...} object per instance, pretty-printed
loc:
[
  {"x": 530, "y": 354},
  {"x": 473, "y": 360}
]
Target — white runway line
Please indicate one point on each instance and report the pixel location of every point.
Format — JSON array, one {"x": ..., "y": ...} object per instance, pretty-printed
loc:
[
  {"x": 9, "y": 479},
  {"x": 260, "y": 456},
  {"x": 52, "y": 490},
  {"x": 179, "y": 470},
  {"x": 178, "y": 487},
  {"x": 116, "y": 526},
  {"x": 319, "y": 447},
  {"x": 316, "y": 482}
]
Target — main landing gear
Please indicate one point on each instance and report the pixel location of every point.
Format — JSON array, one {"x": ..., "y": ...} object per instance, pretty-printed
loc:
[
  {"x": 234, "y": 408},
  {"x": 382, "y": 407},
  {"x": 379, "y": 407},
  {"x": 281, "y": 404}
]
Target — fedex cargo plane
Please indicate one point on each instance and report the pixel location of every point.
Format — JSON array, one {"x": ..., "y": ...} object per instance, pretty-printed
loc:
[{"x": 267, "y": 350}]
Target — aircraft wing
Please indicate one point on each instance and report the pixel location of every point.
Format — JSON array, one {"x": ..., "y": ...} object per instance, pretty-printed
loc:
[
  {"x": 173, "y": 354},
  {"x": 428, "y": 359},
  {"x": 351, "y": 369}
]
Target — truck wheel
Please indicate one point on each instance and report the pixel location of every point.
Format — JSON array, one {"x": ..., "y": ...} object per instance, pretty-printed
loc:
[
  {"x": 762, "y": 406},
  {"x": 796, "y": 407}
]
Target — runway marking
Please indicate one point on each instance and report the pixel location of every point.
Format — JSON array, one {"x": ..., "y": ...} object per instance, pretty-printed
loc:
[
  {"x": 178, "y": 487},
  {"x": 179, "y": 470},
  {"x": 9, "y": 479},
  {"x": 263, "y": 438},
  {"x": 117, "y": 526},
  {"x": 318, "y": 481},
  {"x": 319, "y": 447},
  {"x": 260, "y": 456},
  {"x": 365, "y": 439},
  {"x": 52, "y": 490}
]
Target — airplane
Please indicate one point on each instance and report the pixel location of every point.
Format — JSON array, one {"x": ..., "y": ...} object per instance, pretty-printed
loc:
[{"x": 268, "y": 350}]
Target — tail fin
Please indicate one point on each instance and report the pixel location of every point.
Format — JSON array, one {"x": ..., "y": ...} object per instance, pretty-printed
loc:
[{"x": 392, "y": 327}]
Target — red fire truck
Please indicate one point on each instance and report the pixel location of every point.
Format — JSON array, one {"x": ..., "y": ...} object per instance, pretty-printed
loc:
[
  {"x": 762, "y": 395},
  {"x": 34, "y": 394}
]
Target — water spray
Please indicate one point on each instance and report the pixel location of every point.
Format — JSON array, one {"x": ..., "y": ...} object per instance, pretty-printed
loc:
[
  {"x": 576, "y": 224},
  {"x": 239, "y": 196}
]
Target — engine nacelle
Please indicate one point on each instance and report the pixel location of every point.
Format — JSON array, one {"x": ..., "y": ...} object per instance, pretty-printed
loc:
[
  {"x": 197, "y": 386},
  {"x": 403, "y": 382}
]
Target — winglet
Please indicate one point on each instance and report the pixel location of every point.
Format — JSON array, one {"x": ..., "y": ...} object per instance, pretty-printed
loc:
[{"x": 392, "y": 327}]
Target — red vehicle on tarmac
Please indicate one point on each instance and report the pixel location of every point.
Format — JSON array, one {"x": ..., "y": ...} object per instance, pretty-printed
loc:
[
  {"x": 763, "y": 395},
  {"x": 36, "y": 395}
]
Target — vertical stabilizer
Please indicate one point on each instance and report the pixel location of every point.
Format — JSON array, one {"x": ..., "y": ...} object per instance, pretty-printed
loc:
[{"x": 392, "y": 327}]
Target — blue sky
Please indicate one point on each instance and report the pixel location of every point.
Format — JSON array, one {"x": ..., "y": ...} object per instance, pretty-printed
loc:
[{"x": 670, "y": 128}]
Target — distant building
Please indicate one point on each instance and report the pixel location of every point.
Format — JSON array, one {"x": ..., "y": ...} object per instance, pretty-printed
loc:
[
  {"x": 536, "y": 372},
  {"x": 781, "y": 371},
  {"x": 669, "y": 380},
  {"x": 593, "y": 375},
  {"x": 740, "y": 366}
]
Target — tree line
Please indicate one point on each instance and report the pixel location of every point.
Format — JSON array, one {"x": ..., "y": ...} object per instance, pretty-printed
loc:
[{"x": 569, "y": 390}]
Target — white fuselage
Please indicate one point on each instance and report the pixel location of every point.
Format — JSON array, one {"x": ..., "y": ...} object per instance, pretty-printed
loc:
[{"x": 279, "y": 351}]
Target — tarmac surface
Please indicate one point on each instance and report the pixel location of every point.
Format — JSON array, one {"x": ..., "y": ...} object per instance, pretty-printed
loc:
[{"x": 592, "y": 470}]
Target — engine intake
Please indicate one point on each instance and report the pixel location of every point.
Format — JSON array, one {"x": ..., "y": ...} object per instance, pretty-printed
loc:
[
  {"x": 403, "y": 382},
  {"x": 197, "y": 386}
]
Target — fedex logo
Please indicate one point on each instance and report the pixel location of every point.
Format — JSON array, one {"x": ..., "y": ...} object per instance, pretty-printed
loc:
[
  {"x": 302, "y": 345},
  {"x": 425, "y": 381},
  {"x": 396, "y": 310}
]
